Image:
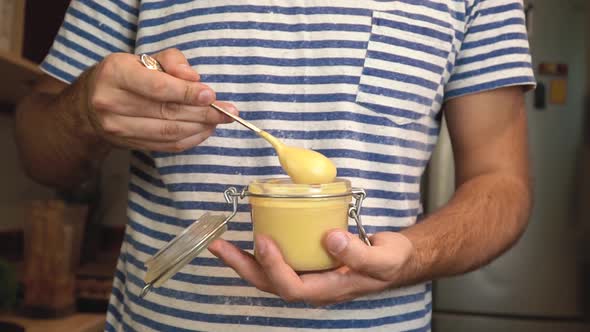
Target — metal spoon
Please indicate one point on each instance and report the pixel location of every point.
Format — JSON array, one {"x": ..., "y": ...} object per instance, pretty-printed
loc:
[{"x": 302, "y": 165}]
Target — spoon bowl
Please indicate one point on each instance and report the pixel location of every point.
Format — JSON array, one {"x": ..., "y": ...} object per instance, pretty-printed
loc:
[{"x": 303, "y": 166}]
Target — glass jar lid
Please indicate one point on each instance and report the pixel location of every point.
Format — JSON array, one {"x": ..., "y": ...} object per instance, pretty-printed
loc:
[{"x": 285, "y": 188}]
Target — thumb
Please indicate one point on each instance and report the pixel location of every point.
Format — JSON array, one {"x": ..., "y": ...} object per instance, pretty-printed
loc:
[{"x": 381, "y": 261}]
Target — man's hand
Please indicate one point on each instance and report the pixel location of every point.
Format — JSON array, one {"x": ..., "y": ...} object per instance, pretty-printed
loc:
[
  {"x": 133, "y": 107},
  {"x": 118, "y": 102},
  {"x": 366, "y": 269}
]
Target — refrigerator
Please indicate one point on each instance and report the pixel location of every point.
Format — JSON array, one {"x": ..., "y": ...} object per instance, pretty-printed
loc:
[{"x": 539, "y": 285}]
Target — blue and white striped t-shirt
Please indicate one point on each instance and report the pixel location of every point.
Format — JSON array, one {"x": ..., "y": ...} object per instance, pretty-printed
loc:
[{"x": 360, "y": 81}]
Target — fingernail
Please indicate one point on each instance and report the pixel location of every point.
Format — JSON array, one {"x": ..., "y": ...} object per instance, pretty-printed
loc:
[
  {"x": 336, "y": 242},
  {"x": 186, "y": 68},
  {"x": 206, "y": 97},
  {"x": 214, "y": 247},
  {"x": 232, "y": 110},
  {"x": 260, "y": 245}
]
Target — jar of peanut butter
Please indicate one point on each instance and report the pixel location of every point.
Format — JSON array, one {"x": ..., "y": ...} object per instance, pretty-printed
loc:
[{"x": 298, "y": 216}]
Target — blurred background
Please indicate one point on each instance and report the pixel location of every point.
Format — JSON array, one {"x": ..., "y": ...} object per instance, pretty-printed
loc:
[
  {"x": 543, "y": 283},
  {"x": 58, "y": 250}
]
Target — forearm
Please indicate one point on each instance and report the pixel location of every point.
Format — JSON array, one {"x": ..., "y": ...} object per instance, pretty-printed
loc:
[
  {"x": 484, "y": 218},
  {"x": 57, "y": 145}
]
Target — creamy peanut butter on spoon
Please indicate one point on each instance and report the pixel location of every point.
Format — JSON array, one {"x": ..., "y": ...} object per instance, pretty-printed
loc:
[{"x": 302, "y": 165}]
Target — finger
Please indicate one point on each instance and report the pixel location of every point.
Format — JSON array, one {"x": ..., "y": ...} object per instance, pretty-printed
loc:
[
  {"x": 338, "y": 286},
  {"x": 285, "y": 281},
  {"x": 154, "y": 130},
  {"x": 176, "y": 147},
  {"x": 382, "y": 260},
  {"x": 130, "y": 75},
  {"x": 176, "y": 64},
  {"x": 129, "y": 104},
  {"x": 242, "y": 262},
  {"x": 167, "y": 88}
]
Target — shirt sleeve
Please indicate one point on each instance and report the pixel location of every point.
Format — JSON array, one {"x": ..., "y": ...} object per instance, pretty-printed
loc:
[
  {"x": 495, "y": 51},
  {"x": 91, "y": 30}
]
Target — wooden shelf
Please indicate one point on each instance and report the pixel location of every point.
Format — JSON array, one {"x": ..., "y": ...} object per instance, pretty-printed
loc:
[
  {"x": 16, "y": 77},
  {"x": 73, "y": 323}
]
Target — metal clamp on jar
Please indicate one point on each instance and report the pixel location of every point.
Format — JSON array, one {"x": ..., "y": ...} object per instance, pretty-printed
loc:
[{"x": 295, "y": 216}]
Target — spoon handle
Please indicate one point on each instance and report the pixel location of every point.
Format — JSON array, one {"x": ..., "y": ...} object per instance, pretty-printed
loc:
[
  {"x": 237, "y": 119},
  {"x": 153, "y": 64}
]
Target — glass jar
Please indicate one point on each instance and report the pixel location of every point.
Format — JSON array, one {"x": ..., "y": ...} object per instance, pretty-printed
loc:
[
  {"x": 295, "y": 216},
  {"x": 298, "y": 216}
]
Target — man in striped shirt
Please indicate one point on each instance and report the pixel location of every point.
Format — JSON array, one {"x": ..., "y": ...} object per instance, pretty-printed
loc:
[{"x": 363, "y": 82}]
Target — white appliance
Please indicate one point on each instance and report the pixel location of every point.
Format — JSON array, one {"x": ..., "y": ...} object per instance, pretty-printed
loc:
[{"x": 538, "y": 285}]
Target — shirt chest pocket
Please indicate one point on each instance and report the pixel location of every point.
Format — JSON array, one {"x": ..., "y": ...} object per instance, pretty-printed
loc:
[{"x": 406, "y": 58}]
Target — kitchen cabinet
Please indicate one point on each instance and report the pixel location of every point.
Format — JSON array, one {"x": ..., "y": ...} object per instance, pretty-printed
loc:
[
  {"x": 27, "y": 29},
  {"x": 16, "y": 72}
]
